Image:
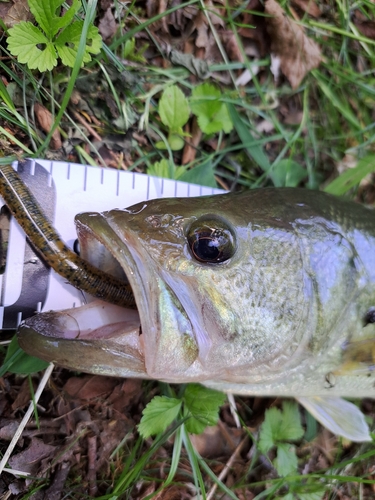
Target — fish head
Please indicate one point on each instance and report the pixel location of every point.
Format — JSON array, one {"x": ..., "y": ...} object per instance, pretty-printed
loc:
[{"x": 218, "y": 289}]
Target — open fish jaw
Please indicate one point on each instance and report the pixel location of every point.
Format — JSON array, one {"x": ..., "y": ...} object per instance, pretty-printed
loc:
[{"x": 111, "y": 347}]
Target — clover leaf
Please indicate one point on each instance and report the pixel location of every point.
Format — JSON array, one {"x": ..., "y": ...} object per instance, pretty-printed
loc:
[{"x": 55, "y": 36}]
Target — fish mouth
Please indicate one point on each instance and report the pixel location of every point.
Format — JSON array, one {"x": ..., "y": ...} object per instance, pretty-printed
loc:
[
  {"x": 106, "y": 339},
  {"x": 97, "y": 337}
]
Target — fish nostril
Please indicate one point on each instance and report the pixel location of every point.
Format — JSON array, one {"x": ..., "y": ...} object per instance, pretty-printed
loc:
[
  {"x": 369, "y": 317},
  {"x": 76, "y": 246}
]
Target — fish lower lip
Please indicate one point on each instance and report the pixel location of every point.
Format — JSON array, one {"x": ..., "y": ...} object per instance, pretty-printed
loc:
[{"x": 112, "y": 347}]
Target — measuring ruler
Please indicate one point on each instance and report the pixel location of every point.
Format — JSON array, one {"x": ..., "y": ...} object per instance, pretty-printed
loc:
[{"x": 62, "y": 189}]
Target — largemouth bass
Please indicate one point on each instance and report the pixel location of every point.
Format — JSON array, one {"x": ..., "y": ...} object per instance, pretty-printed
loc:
[{"x": 268, "y": 292}]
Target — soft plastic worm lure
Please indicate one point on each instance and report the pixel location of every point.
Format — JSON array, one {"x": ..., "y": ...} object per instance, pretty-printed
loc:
[{"x": 25, "y": 209}]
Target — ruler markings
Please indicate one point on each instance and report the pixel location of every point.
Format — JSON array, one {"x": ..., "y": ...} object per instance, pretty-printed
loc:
[
  {"x": 85, "y": 179},
  {"x": 32, "y": 167},
  {"x": 15, "y": 262}
]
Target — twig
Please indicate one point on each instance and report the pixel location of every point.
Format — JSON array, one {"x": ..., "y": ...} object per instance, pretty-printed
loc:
[
  {"x": 26, "y": 417},
  {"x": 233, "y": 410},
  {"x": 88, "y": 127},
  {"x": 227, "y": 467}
]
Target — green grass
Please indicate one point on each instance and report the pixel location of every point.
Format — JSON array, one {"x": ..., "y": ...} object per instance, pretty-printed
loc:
[{"x": 335, "y": 105}]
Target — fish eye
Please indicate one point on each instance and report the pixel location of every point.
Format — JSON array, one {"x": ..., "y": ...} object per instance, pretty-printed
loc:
[{"x": 211, "y": 240}]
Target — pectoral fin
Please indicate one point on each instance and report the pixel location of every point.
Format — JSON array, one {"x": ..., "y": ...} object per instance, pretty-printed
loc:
[{"x": 339, "y": 416}]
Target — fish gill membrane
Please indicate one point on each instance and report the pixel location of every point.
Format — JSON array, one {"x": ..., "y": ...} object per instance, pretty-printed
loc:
[{"x": 269, "y": 292}]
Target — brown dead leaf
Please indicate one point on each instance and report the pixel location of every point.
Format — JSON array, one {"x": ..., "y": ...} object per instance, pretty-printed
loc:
[
  {"x": 107, "y": 25},
  {"x": 174, "y": 492},
  {"x": 28, "y": 460},
  {"x": 111, "y": 433},
  {"x": 366, "y": 28},
  {"x": 214, "y": 442},
  {"x": 298, "y": 54},
  {"x": 17, "y": 12},
  {"x": 308, "y": 6},
  {"x": 254, "y": 27},
  {"x": 231, "y": 46},
  {"x": 45, "y": 120},
  {"x": 23, "y": 397},
  {"x": 191, "y": 145},
  {"x": 105, "y": 4},
  {"x": 55, "y": 491},
  {"x": 200, "y": 23},
  {"x": 89, "y": 386},
  {"x": 126, "y": 394},
  {"x": 8, "y": 428}
]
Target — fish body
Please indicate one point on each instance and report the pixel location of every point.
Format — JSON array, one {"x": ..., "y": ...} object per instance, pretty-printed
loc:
[{"x": 268, "y": 292}]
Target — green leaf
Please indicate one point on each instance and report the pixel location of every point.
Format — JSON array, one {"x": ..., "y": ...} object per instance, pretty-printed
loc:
[
  {"x": 223, "y": 117},
  {"x": 254, "y": 150},
  {"x": 202, "y": 174},
  {"x": 158, "y": 415},
  {"x": 173, "y": 108},
  {"x": 165, "y": 168},
  {"x": 286, "y": 460},
  {"x": 67, "y": 43},
  {"x": 23, "y": 41},
  {"x": 4, "y": 96},
  {"x": 287, "y": 173},
  {"x": 44, "y": 12},
  {"x": 22, "y": 362},
  {"x": 129, "y": 48},
  {"x": 205, "y": 100},
  {"x": 131, "y": 52},
  {"x": 315, "y": 495},
  {"x": 269, "y": 429},
  {"x": 288, "y": 496},
  {"x": 291, "y": 428},
  {"x": 280, "y": 426},
  {"x": 39, "y": 51},
  {"x": 175, "y": 141},
  {"x": 202, "y": 405},
  {"x": 352, "y": 177},
  {"x": 212, "y": 114}
]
